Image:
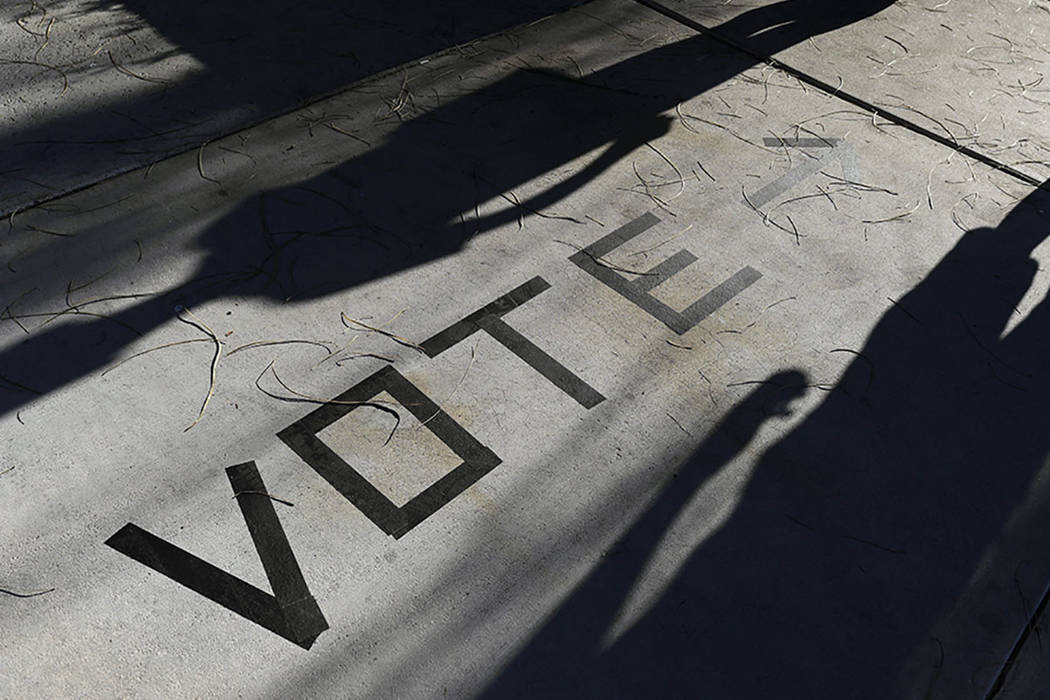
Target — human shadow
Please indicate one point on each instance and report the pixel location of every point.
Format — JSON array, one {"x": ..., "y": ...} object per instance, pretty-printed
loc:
[
  {"x": 410, "y": 201},
  {"x": 858, "y": 530},
  {"x": 241, "y": 62}
]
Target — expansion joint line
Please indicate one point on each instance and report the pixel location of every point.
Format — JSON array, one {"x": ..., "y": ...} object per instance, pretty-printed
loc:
[
  {"x": 1007, "y": 665},
  {"x": 846, "y": 96}
]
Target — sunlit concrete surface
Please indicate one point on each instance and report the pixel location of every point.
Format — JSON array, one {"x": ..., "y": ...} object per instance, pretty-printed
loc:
[
  {"x": 599, "y": 359},
  {"x": 970, "y": 73}
]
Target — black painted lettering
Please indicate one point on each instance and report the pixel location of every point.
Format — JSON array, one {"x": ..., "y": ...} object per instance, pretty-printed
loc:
[
  {"x": 638, "y": 291},
  {"x": 489, "y": 319},
  {"x": 302, "y": 438},
  {"x": 837, "y": 150},
  {"x": 290, "y": 612}
]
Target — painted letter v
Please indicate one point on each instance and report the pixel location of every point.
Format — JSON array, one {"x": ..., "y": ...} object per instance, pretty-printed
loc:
[{"x": 290, "y": 612}]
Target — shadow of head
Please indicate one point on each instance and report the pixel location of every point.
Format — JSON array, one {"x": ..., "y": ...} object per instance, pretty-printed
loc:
[
  {"x": 771, "y": 398},
  {"x": 777, "y": 393}
]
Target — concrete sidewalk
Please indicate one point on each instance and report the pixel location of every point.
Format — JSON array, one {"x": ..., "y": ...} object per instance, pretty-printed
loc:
[
  {"x": 91, "y": 89},
  {"x": 597, "y": 358}
]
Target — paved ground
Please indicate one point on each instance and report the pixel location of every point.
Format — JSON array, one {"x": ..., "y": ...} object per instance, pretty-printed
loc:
[{"x": 597, "y": 357}]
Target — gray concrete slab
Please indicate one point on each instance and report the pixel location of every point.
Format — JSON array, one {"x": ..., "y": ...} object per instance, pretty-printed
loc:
[
  {"x": 972, "y": 73},
  {"x": 833, "y": 483},
  {"x": 90, "y": 89}
]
